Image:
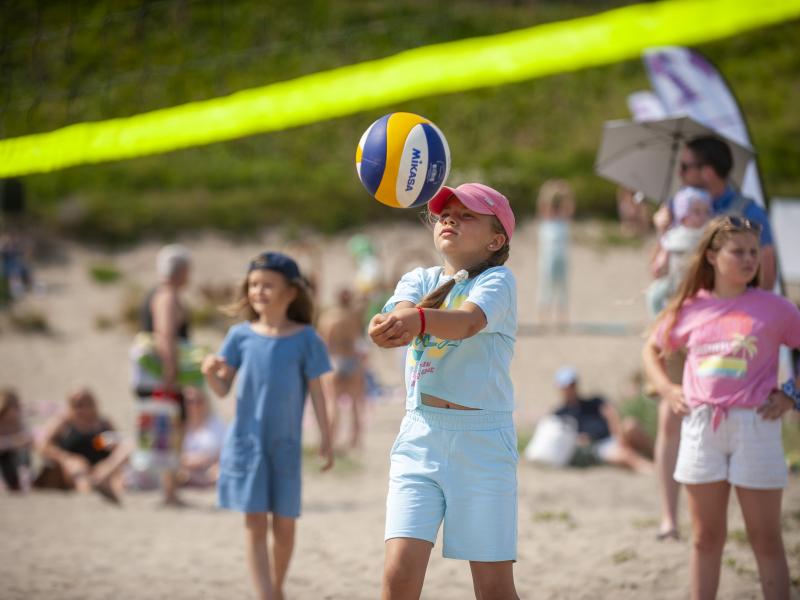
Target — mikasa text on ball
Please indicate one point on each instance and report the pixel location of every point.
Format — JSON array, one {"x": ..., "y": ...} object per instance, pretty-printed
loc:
[{"x": 403, "y": 160}]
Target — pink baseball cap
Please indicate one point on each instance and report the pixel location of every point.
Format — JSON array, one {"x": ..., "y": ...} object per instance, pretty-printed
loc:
[{"x": 479, "y": 198}]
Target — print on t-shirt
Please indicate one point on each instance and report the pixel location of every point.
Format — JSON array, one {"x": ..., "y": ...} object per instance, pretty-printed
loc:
[
  {"x": 726, "y": 346},
  {"x": 432, "y": 348}
]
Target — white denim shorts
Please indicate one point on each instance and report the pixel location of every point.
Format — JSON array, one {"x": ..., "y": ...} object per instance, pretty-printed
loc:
[
  {"x": 459, "y": 467},
  {"x": 745, "y": 450}
]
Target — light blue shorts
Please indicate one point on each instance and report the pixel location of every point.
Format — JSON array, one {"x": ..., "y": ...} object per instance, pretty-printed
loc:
[{"x": 459, "y": 467}]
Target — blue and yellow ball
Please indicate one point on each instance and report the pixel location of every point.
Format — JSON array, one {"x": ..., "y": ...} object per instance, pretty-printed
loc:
[{"x": 403, "y": 160}]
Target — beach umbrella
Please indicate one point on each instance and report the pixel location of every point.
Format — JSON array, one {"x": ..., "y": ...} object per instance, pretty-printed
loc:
[{"x": 643, "y": 155}]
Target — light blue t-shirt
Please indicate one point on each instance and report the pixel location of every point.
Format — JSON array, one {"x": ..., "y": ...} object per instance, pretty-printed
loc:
[{"x": 475, "y": 371}]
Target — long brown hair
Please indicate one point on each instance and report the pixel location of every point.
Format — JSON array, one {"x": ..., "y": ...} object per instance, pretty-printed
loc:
[
  {"x": 301, "y": 310},
  {"x": 497, "y": 258},
  {"x": 700, "y": 273}
]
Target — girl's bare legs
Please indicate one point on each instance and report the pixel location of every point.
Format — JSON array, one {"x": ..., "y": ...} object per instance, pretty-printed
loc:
[
  {"x": 404, "y": 568},
  {"x": 762, "y": 516},
  {"x": 668, "y": 441},
  {"x": 257, "y": 555},
  {"x": 493, "y": 580},
  {"x": 283, "y": 529},
  {"x": 708, "y": 507}
]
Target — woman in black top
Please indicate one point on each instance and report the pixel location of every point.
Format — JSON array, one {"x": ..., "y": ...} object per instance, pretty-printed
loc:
[{"x": 83, "y": 450}]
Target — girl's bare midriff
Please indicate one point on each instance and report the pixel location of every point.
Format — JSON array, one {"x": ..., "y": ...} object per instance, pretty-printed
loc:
[{"x": 439, "y": 403}]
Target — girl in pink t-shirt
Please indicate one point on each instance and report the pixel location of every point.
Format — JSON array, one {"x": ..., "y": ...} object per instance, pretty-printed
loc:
[{"x": 730, "y": 434}]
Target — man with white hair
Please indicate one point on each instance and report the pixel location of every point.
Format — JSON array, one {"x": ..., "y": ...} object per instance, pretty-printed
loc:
[{"x": 164, "y": 315}]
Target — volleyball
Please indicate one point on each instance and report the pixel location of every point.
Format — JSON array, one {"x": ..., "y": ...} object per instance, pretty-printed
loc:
[{"x": 403, "y": 159}]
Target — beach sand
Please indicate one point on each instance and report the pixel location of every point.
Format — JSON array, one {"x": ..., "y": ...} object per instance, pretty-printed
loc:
[{"x": 583, "y": 533}]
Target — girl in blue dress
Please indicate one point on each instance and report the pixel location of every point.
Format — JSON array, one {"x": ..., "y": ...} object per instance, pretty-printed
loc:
[{"x": 279, "y": 358}]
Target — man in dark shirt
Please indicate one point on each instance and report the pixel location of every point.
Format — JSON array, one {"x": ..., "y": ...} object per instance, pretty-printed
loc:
[{"x": 611, "y": 440}]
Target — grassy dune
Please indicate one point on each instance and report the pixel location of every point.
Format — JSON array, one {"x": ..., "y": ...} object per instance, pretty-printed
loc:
[{"x": 65, "y": 62}]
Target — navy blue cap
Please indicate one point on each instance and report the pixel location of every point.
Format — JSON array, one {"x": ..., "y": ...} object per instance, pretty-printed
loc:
[{"x": 275, "y": 261}]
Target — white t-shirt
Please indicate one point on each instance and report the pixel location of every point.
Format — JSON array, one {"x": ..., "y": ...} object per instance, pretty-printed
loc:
[{"x": 680, "y": 242}]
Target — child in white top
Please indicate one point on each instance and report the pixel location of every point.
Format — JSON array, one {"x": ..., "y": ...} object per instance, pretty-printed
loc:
[{"x": 691, "y": 210}]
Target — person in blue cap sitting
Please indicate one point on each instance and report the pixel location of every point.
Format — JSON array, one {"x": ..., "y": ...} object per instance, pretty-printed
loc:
[{"x": 606, "y": 436}]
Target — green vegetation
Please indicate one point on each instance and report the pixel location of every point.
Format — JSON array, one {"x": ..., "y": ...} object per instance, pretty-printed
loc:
[
  {"x": 644, "y": 410},
  {"x": 66, "y": 62},
  {"x": 548, "y": 516},
  {"x": 623, "y": 556},
  {"x": 29, "y": 320},
  {"x": 104, "y": 273}
]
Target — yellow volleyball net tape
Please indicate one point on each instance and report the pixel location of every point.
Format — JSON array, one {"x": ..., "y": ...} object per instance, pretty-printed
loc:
[{"x": 431, "y": 70}]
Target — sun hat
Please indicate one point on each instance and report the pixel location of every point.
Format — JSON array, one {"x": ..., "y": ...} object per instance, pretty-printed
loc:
[
  {"x": 566, "y": 376},
  {"x": 685, "y": 197},
  {"x": 275, "y": 261},
  {"x": 478, "y": 198}
]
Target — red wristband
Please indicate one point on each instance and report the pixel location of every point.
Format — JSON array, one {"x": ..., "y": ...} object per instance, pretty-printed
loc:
[{"x": 421, "y": 312}]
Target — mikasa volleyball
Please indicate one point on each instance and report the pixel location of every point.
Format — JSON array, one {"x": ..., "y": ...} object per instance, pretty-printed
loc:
[{"x": 403, "y": 160}]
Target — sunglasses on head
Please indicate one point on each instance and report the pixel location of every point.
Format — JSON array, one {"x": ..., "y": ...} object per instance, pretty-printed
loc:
[{"x": 742, "y": 223}]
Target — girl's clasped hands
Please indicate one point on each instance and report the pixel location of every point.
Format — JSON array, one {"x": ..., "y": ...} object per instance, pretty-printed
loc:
[{"x": 392, "y": 330}]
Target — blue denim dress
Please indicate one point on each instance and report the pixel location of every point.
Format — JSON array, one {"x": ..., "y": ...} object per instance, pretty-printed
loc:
[{"x": 261, "y": 457}]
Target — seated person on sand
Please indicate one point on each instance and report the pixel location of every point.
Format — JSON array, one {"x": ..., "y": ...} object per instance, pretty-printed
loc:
[
  {"x": 601, "y": 432},
  {"x": 342, "y": 328},
  {"x": 202, "y": 441},
  {"x": 82, "y": 450},
  {"x": 15, "y": 442}
]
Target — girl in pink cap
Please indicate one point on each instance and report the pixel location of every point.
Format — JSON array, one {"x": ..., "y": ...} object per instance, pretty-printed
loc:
[
  {"x": 455, "y": 458},
  {"x": 731, "y": 408}
]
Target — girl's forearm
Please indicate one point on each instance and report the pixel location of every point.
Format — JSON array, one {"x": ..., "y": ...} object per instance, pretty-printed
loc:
[
  {"x": 453, "y": 324},
  {"x": 219, "y": 386},
  {"x": 320, "y": 411},
  {"x": 654, "y": 368}
]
